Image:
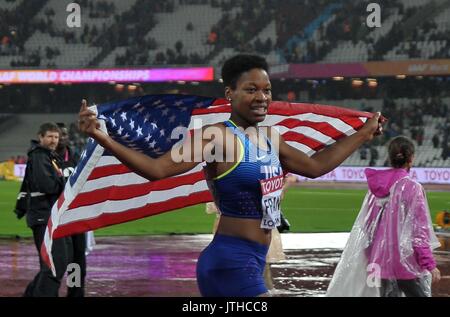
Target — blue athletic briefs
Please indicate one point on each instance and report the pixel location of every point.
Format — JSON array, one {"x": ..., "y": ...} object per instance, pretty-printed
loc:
[{"x": 232, "y": 267}]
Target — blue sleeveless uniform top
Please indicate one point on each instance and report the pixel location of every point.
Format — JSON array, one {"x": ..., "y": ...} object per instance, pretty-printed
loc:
[{"x": 237, "y": 192}]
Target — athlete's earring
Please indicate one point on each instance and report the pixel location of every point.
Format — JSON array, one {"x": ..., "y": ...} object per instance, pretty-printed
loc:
[{"x": 229, "y": 99}]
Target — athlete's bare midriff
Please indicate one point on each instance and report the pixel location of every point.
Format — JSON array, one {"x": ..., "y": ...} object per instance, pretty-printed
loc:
[{"x": 248, "y": 229}]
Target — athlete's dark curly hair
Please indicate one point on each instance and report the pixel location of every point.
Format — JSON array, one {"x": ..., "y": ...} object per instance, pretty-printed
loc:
[{"x": 235, "y": 66}]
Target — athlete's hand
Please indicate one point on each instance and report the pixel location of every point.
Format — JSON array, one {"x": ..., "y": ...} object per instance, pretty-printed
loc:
[
  {"x": 373, "y": 126},
  {"x": 88, "y": 123}
]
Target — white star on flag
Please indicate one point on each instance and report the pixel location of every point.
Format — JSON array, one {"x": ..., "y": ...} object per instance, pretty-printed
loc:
[{"x": 139, "y": 131}]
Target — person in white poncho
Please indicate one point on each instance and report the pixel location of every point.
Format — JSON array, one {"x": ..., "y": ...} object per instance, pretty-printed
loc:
[{"x": 389, "y": 251}]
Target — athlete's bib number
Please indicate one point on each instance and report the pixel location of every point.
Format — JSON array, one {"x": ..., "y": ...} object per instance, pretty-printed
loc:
[{"x": 271, "y": 197}]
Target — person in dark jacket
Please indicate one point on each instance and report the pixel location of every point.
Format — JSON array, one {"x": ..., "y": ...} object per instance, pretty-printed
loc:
[
  {"x": 45, "y": 183},
  {"x": 68, "y": 163}
]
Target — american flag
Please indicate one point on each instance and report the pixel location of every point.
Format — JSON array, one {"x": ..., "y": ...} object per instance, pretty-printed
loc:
[{"x": 102, "y": 191}]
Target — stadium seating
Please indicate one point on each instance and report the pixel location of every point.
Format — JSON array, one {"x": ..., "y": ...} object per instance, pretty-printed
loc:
[
  {"x": 16, "y": 139},
  {"x": 327, "y": 36},
  {"x": 117, "y": 33},
  {"x": 10, "y": 5}
]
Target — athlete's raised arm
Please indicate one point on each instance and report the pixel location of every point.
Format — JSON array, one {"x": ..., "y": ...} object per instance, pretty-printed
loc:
[
  {"x": 165, "y": 166},
  {"x": 329, "y": 158}
]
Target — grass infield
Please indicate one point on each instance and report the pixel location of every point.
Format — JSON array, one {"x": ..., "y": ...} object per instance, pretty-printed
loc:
[{"x": 308, "y": 210}]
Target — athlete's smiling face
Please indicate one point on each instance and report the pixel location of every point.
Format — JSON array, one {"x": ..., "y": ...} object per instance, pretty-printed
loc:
[{"x": 250, "y": 98}]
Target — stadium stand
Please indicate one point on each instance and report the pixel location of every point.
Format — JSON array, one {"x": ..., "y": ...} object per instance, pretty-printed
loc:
[
  {"x": 16, "y": 139},
  {"x": 143, "y": 32},
  {"x": 206, "y": 32}
]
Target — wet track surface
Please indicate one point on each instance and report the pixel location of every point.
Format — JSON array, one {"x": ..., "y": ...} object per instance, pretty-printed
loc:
[{"x": 155, "y": 266}]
